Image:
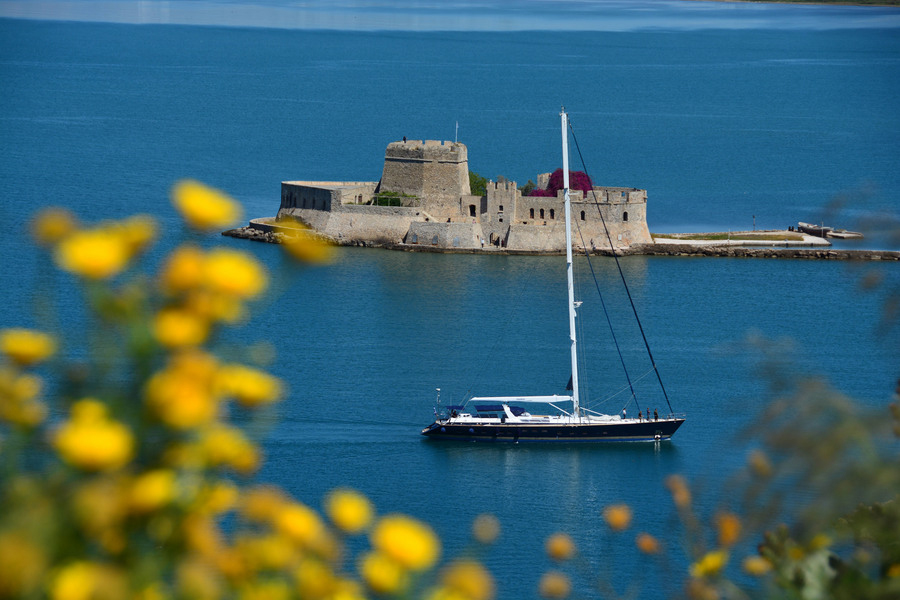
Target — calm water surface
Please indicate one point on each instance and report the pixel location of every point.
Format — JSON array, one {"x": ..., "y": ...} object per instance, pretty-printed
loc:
[{"x": 719, "y": 126}]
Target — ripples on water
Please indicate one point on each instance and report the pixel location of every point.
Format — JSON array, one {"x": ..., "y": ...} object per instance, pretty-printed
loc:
[{"x": 718, "y": 126}]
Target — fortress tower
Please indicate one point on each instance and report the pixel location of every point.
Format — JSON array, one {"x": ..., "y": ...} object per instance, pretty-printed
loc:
[{"x": 437, "y": 173}]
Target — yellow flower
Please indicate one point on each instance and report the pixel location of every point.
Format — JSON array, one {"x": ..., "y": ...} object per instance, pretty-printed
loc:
[
  {"x": 469, "y": 579},
  {"x": 152, "y": 490},
  {"x": 51, "y": 225},
  {"x": 729, "y": 528},
  {"x": 314, "y": 579},
  {"x": 305, "y": 246},
  {"x": 647, "y": 544},
  {"x": 92, "y": 441},
  {"x": 681, "y": 494},
  {"x": 617, "y": 516},
  {"x": 76, "y": 581},
  {"x": 409, "y": 542},
  {"x": 382, "y": 574},
  {"x": 182, "y": 394},
  {"x": 179, "y": 328},
  {"x": 234, "y": 273},
  {"x": 346, "y": 589},
  {"x": 268, "y": 552},
  {"x": 263, "y": 504},
  {"x": 819, "y": 541},
  {"x": 262, "y": 589},
  {"x": 251, "y": 387},
  {"x": 100, "y": 505},
  {"x": 137, "y": 231},
  {"x": 554, "y": 585},
  {"x": 196, "y": 578},
  {"x": 94, "y": 253},
  {"x": 350, "y": 511},
  {"x": 699, "y": 589},
  {"x": 299, "y": 523},
  {"x": 18, "y": 398},
  {"x": 560, "y": 547},
  {"x": 711, "y": 564},
  {"x": 760, "y": 464},
  {"x": 217, "y": 498},
  {"x": 83, "y": 580},
  {"x": 26, "y": 347},
  {"x": 893, "y": 571},
  {"x": 224, "y": 445},
  {"x": 215, "y": 307},
  {"x": 757, "y": 566},
  {"x": 202, "y": 535},
  {"x": 183, "y": 269},
  {"x": 486, "y": 528},
  {"x": 203, "y": 207},
  {"x": 22, "y": 565}
]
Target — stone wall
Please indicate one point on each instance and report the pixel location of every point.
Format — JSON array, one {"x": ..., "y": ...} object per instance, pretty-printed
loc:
[
  {"x": 376, "y": 225},
  {"x": 437, "y": 172},
  {"x": 543, "y": 238},
  {"x": 444, "y": 235},
  {"x": 325, "y": 195}
]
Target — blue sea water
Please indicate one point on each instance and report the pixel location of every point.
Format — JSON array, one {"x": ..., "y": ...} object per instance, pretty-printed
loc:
[{"x": 720, "y": 126}]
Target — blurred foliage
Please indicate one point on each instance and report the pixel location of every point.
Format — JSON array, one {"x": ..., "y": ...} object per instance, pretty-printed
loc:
[{"x": 127, "y": 454}]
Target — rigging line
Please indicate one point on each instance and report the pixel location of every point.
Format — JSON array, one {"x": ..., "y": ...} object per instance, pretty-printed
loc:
[
  {"x": 606, "y": 312},
  {"x": 609, "y": 397},
  {"x": 621, "y": 274}
]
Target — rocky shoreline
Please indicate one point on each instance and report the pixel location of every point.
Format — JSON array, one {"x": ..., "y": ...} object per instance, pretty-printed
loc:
[{"x": 656, "y": 249}]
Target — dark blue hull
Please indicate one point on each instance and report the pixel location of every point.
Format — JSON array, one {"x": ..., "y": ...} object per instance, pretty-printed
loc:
[{"x": 643, "y": 431}]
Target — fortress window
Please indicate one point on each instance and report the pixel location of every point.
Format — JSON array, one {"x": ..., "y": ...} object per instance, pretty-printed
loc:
[
  {"x": 415, "y": 238},
  {"x": 532, "y": 213},
  {"x": 542, "y": 213},
  {"x": 625, "y": 216},
  {"x": 471, "y": 210},
  {"x": 552, "y": 214},
  {"x": 501, "y": 208},
  {"x": 582, "y": 215}
]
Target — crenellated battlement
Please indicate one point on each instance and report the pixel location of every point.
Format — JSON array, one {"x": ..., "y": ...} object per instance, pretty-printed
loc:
[
  {"x": 503, "y": 185},
  {"x": 428, "y": 150}
]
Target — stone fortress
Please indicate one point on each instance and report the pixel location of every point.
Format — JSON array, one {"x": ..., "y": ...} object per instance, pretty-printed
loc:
[{"x": 423, "y": 201}]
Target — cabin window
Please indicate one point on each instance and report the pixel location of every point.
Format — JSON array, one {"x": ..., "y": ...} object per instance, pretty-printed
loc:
[
  {"x": 552, "y": 214},
  {"x": 471, "y": 210},
  {"x": 625, "y": 216},
  {"x": 542, "y": 213},
  {"x": 582, "y": 215},
  {"x": 532, "y": 213}
]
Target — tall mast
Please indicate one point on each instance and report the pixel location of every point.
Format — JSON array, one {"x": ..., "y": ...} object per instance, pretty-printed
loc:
[{"x": 576, "y": 409}]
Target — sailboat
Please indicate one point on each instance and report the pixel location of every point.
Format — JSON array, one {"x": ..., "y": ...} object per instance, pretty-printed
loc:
[{"x": 553, "y": 418}]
